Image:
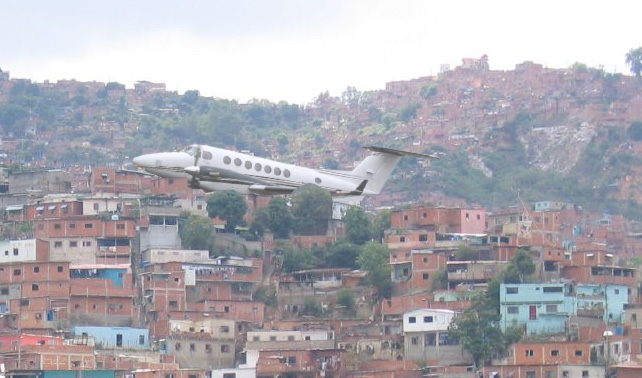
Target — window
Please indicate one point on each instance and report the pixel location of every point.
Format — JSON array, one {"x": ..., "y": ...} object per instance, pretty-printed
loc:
[
  {"x": 617, "y": 291},
  {"x": 86, "y": 243},
  {"x": 512, "y": 290},
  {"x": 57, "y": 244},
  {"x": 414, "y": 340},
  {"x": 17, "y": 272},
  {"x": 423, "y": 238},
  {"x": 4, "y": 291},
  {"x": 227, "y": 160},
  {"x": 585, "y": 373},
  {"x": 208, "y": 348},
  {"x": 73, "y": 244},
  {"x": 529, "y": 353},
  {"x": 290, "y": 338},
  {"x": 173, "y": 303},
  {"x": 551, "y": 308},
  {"x": 565, "y": 374},
  {"x": 35, "y": 287},
  {"x": 428, "y": 319},
  {"x": 317, "y": 180},
  {"x": 412, "y": 319},
  {"x": 425, "y": 276},
  {"x": 225, "y": 348},
  {"x": 206, "y": 155},
  {"x": 177, "y": 346},
  {"x": 72, "y": 226},
  {"x": 119, "y": 340},
  {"x": 277, "y": 171},
  {"x": 258, "y": 167},
  {"x": 36, "y": 269},
  {"x": 553, "y": 289},
  {"x": 256, "y": 338},
  {"x": 225, "y": 329},
  {"x": 60, "y": 268},
  {"x": 120, "y": 226},
  {"x": 57, "y": 226},
  {"x": 286, "y": 173},
  {"x": 267, "y": 169},
  {"x": 95, "y": 206},
  {"x": 578, "y": 353},
  {"x": 530, "y": 374},
  {"x": 238, "y": 162},
  {"x": 430, "y": 339},
  {"x": 512, "y": 310},
  {"x": 555, "y": 352},
  {"x": 291, "y": 360},
  {"x": 272, "y": 338},
  {"x": 229, "y": 375},
  {"x": 248, "y": 164},
  {"x": 402, "y": 239},
  {"x": 89, "y": 225},
  {"x": 192, "y": 347},
  {"x": 141, "y": 339}
]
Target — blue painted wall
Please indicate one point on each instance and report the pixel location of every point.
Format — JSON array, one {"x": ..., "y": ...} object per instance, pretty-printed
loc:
[{"x": 116, "y": 337}]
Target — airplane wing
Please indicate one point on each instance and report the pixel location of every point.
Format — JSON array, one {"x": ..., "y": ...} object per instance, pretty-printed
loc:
[
  {"x": 271, "y": 189},
  {"x": 393, "y": 151}
]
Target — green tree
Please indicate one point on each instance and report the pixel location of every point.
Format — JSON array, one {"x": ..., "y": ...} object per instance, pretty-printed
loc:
[
  {"x": 634, "y": 60},
  {"x": 345, "y": 298},
  {"x": 299, "y": 260},
  {"x": 477, "y": 333},
  {"x": 280, "y": 220},
  {"x": 229, "y": 206},
  {"x": 374, "y": 259},
  {"x": 428, "y": 91},
  {"x": 342, "y": 254},
  {"x": 358, "y": 226},
  {"x": 635, "y": 131},
  {"x": 380, "y": 224},
  {"x": 521, "y": 265},
  {"x": 311, "y": 308},
  {"x": 409, "y": 112},
  {"x": 440, "y": 279},
  {"x": 312, "y": 210},
  {"x": 477, "y": 328},
  {"x": 196, "y": 232}
]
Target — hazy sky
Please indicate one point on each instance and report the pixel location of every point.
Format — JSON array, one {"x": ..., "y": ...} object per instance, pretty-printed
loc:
[{"x": 293, "y": 50}]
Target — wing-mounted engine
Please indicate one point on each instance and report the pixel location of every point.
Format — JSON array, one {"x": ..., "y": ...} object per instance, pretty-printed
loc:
[{"x": 203, "y": 173}]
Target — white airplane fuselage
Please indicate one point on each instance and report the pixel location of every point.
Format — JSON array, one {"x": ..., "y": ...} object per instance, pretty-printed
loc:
[{"x": 211, "y": 168}]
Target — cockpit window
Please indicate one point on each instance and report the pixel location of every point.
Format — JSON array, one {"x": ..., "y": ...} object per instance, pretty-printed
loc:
[{"x": 191, "y": 150}]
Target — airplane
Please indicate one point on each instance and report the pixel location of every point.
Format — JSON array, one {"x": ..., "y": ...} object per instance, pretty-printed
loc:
[{"x": 210, "y": 169}]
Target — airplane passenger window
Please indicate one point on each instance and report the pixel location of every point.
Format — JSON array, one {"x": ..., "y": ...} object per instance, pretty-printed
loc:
[
  {"x": 206, "y": 155},
  {"x": 237, "y": 162},
  {"x": 257, "y": 166},
  {"x": 227, "y": 160},
  {"x": 277, "y": 171},
  {"x": 286, "y": 173},
  {"x": 268, "y": 169},
  {"x": 248, "y": 164},
  {"x": 317, "y": 180}
]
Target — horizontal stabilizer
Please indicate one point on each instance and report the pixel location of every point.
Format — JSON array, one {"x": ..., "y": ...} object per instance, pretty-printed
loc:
[{"x": 392, "y": 151}]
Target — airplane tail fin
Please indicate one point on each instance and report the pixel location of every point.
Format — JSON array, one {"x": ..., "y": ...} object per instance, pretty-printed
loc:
[{"x": 378, "y": 167}]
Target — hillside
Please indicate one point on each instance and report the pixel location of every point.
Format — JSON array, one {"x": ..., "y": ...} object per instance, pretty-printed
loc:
[{"x": 532, "y": 133}]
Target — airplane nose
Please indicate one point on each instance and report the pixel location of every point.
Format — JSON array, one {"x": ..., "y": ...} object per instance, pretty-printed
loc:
[{"x": 142, "y": 161}]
